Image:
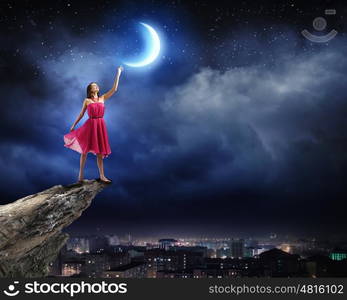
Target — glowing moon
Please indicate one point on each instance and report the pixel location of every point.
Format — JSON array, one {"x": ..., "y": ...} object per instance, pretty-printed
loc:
[{"x": 153, "y": 45}]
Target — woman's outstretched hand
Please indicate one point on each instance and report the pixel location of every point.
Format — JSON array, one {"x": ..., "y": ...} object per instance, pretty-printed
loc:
[{"x": 119, "y": 70}]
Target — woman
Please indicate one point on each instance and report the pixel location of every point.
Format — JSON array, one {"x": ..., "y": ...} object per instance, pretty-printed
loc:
[{"x": 92, "y": 135}]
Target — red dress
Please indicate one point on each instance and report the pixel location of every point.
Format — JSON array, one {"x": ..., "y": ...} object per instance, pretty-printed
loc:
[{"x": 92, "y": 135}]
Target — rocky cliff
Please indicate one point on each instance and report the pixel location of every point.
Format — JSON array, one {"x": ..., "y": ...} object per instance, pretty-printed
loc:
[{"x": 30, "y": 228}]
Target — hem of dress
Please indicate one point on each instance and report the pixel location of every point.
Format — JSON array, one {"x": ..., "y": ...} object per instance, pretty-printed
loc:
[
  {"x": 74, "y": 145},
  {"x": 92, "y": 152}
]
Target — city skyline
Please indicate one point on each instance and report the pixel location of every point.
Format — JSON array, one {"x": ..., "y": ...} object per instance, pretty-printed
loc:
[
  {"x": 342, "y": 237},
  {"x": 101, "y": 256}
]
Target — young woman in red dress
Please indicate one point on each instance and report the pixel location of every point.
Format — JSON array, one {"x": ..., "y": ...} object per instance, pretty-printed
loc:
[{"x": 92, "y": 135}]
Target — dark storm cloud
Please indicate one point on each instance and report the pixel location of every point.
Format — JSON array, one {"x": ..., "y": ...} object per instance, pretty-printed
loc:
[
  {"x": 245, "y": 124},
  {"x": 282, "y": 129}
]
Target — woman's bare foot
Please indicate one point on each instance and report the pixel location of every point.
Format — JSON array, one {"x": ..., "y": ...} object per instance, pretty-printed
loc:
[{"x": 104, "y": 179}]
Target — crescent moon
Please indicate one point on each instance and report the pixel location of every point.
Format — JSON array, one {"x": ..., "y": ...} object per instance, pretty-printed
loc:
[{"x": 154, "y": 48}]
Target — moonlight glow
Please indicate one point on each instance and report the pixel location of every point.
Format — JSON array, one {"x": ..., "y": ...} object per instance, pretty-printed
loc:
[{"x": 154, "y": 48}]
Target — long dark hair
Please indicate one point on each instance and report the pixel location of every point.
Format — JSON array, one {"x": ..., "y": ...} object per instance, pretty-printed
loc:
[{"x": 89, "y": 87}]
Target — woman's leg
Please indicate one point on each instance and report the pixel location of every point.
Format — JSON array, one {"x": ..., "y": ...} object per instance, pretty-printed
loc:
[
  {"x": 101, "y": 167},
  {"x": 82, "y": 163}
]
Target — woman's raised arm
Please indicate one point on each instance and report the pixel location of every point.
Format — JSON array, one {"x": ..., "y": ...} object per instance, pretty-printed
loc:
[{"x": 115, "y": 85}]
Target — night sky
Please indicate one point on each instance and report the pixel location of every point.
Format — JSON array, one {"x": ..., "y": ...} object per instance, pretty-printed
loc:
[{"x": 238, "y": 128}]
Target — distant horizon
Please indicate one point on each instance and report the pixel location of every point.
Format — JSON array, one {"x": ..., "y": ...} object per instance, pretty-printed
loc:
[{"x": 123, "y": 234}]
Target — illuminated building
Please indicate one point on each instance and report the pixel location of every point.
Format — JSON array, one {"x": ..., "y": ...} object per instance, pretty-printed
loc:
[
  {"x": 278, "y": 263},
  {"x": 72, "y": 267},
  {"x": 132, "y": 270},
  {"x": 237, "y": 248},
  {"x": 167, "y": 243},
  {"x": 338, "y": 254},
  {"x": 160, "y": 259}
]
